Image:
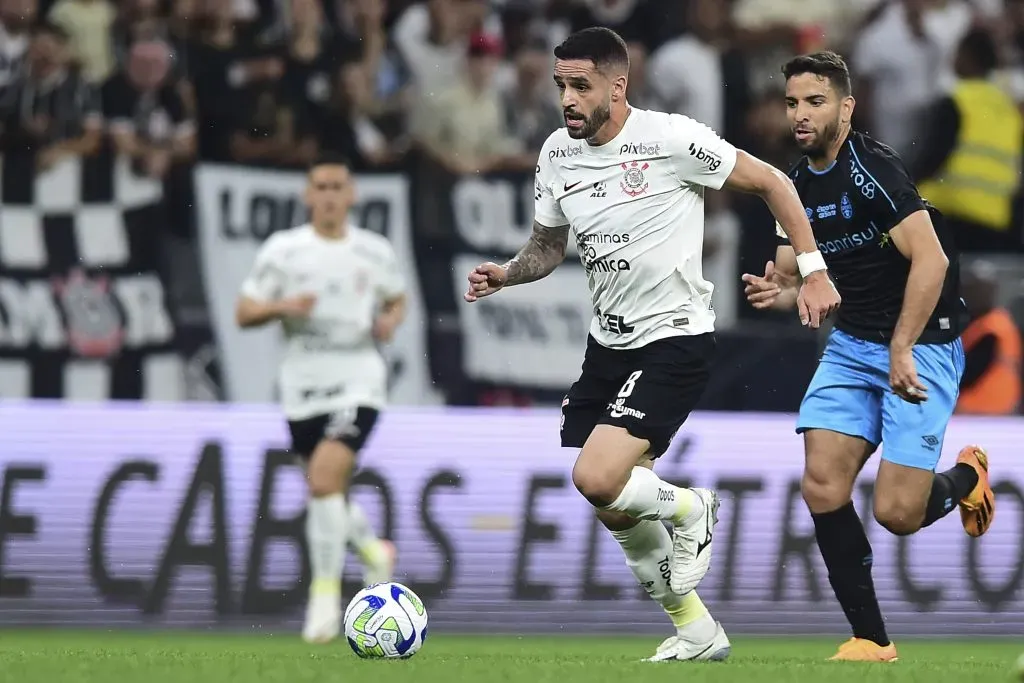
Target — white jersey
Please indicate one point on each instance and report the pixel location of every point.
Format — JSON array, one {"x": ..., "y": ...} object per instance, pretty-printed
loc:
[
  {"x": 636, "y": 209},
  {"x": 330, "y": 360}
]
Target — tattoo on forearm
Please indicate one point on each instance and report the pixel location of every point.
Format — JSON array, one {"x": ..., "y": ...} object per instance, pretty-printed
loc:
[{"x": 540, "y": 256}]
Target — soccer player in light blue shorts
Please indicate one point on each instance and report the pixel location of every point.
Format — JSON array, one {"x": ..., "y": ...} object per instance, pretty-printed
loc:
[{"x": 890, "y": 373}]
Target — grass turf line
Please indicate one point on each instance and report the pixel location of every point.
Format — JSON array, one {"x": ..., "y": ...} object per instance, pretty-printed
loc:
[{"x": 178, "y": 657}]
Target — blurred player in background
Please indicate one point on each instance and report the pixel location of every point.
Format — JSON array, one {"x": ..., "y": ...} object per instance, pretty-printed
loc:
[
  {"x": 630, "y": 185},
  {"x": 891, "y": 370},
  {"x": 337, "y": 291}
]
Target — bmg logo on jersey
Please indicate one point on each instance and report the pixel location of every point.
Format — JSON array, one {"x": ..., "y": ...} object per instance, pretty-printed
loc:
[
  {"x": 712, "y": 160},
  {"x": 565, "y": 152},
  {"x": 641, "y": 148}
]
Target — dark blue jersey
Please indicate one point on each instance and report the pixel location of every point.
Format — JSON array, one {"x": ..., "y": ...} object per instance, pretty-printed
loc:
[{"x": 852, "y": 207}]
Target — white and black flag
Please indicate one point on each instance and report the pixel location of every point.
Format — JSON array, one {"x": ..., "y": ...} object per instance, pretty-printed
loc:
[{"x": 83, "y": 309}]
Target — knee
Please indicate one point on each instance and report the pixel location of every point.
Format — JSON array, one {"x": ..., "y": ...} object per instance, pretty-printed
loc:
[
  {"x": 899, "y": 517},
  {"x": 823, "y": 491},
  {"x": 599, "y": 485}
]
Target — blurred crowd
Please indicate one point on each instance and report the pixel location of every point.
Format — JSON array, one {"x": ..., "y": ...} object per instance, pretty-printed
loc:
[{"x": 465, "y": 85}]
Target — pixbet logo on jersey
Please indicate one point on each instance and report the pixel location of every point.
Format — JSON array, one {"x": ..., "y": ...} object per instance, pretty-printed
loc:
[
  {"x": 565, "y": 152},
  {"x": 643, "y": 149},
  {"x": 633, "y": 181}
]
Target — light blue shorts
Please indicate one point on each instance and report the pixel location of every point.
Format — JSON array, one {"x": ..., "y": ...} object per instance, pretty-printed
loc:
[{"x": 850, "y": 394}]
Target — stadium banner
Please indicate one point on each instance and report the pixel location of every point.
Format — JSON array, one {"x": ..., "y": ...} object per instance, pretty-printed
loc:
[
  {"x": 191, "y": 516},
  {"x": 531, "y": 337},
  {"x": 239, "y": 207},
  {"x": 84, "y": 312}
]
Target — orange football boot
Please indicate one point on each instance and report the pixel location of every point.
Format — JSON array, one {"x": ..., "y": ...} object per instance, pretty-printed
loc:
[
  {"x": 861, "y": 650},
  {"x": 978, "y": 508}
]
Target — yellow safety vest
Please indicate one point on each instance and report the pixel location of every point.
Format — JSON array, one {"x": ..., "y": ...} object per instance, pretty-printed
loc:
[{"x": 978, "y": 181}]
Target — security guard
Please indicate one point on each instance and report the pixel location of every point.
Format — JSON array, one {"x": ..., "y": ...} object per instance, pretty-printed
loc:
[{"x": 969, "y": 166}]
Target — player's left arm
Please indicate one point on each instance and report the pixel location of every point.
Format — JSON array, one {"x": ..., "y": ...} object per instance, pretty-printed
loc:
[
  {"x": 391, "y": 293},
  {"x": 898, "y": 210},
  {"x": 915, "y": 238}
]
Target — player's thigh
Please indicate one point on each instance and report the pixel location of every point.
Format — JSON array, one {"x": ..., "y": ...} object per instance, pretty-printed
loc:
[
  {"x": 601, "y": 376},
  {"x": 912, "y": 438},
  {"x": 832, "y": 461},
  {"x": 845, "y": 394},
  {"x": 667, "y": 381},
  {"x": 913, "y": 433},
  {"x": 329, "y": 445}
]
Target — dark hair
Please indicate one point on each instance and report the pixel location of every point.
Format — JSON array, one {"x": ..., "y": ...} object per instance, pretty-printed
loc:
[
  {"x": 824, "y": 64},
  {"x": 602, "y": 46},
  {"x": 329, "y": 159},
  {"x": 48, "y": 28},
  {"x": 979, "y": 45}
]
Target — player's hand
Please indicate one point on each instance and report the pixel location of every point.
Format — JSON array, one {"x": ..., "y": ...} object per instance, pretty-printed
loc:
[
  {"x": 384, "y": 327},
  {"x": 296, "y": 307},
  {"x": 903, "y": 375},
  {"x": 484, "y": 280},
  {"x": 762, "y": 292},
  {"x": 817, "y": 299}
]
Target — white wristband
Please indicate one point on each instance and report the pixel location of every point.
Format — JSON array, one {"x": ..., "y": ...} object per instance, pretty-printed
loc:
[{"x": 810, "y": 262}]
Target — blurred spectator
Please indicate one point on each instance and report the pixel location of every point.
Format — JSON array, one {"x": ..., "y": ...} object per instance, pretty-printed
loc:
[
  {"x": 139, "y": 20},
  {"x": 902, "y": 61},
  {"x": 463, "y": 128},
  {"x": 16, "y": 19},
  {"x": 686, "y": 72},
  {"x": 51, "y": 110},
  {"x": 808, "y": 25},
  {"x": 388, "y": 75},
  {"x": 347, "y": 127},
  {"x": 969, "y": 165},
  {"x": 639, "y": 91},
  {"x": 531, "y": 104},
  {"x": 634, "y": 20},
  {"x": 235, "y": 90},
  {"x": 145, "y": 114},
  {"x": 992, "y": 342},
  {"x": 432, "y": 39},
  {"x": 87, "y": 24}
]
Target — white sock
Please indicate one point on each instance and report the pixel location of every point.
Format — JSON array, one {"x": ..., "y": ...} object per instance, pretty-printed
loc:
[
  {"x": 648, "y": 550},
  {"x": 361, "y": 536},
  {"x": 646, "y": 496},
  {"x": 325, "y": 532}
]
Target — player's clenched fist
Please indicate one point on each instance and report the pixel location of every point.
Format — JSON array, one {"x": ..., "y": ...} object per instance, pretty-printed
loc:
[
  {"x": 817, "y": 299},
  {"x": 484, "y": 280}
]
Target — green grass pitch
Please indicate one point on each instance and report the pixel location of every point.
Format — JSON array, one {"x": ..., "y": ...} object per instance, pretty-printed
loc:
[{"x": 179, "y": 657}]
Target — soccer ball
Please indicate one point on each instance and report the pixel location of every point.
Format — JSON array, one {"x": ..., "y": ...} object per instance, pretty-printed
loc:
[{"x": 385, "y": 621}]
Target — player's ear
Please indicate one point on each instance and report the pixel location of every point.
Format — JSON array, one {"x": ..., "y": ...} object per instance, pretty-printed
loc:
[
  {"x": 847, "y": 107},
  {"x": 619, "y": 87}
]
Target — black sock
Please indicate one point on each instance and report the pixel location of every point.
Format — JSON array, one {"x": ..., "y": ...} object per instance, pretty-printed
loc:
[
  {"x": 947, "y": 489},
  {"x": 844, "y": 547}
]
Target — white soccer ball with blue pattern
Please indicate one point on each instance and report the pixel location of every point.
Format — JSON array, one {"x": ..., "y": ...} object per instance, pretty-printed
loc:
[{"x": 386, "y": 621}]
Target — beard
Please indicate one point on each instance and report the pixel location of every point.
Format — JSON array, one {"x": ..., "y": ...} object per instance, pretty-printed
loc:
[
  {"x": 591, "y": 124},
  {"x": 818, "y": 146}
]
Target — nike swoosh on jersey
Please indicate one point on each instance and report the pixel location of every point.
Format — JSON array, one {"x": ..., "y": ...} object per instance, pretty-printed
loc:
[{"x": 566, "y": 187}]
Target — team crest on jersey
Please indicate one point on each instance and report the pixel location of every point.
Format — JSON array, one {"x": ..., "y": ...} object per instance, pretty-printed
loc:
[
  {"x": 846, "y": 206},
  {"x": 633, "y": 181},
  {"x": 95, "y": 329},
  {"x": 810, "y": 213}
]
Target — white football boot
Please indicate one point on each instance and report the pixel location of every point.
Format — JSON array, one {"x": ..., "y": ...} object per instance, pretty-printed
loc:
[
  {"x": 379, "y": 565},
  {"x": 680, "y": 649},
  {"x": 323, "y": 617},
  {"x": 691, "y": 546}
]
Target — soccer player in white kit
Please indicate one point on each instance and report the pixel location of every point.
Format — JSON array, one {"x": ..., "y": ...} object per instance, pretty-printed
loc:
[
  {"x": 629, "y": 185},
  {"x": 337, "y": 291}
]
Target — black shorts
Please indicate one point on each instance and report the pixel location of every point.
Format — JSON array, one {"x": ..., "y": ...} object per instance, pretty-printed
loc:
[
  {"x": 649, "y": 391},
  {"x": 351, "y": 426}
]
